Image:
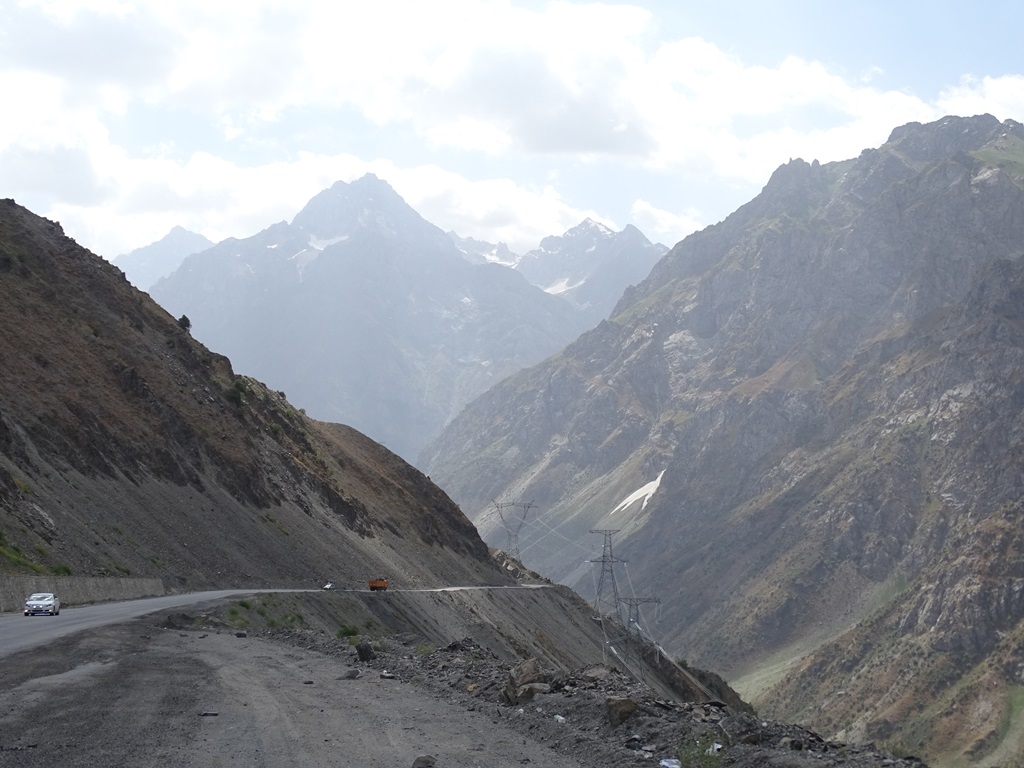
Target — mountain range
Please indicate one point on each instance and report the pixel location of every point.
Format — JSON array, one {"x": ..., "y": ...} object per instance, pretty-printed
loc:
[
  {"x": 366, "y": 314},
  {"x": 805, "y": 429}
]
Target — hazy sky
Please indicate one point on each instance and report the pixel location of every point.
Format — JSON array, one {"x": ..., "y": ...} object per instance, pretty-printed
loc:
[{"x": 505, "y": 121}]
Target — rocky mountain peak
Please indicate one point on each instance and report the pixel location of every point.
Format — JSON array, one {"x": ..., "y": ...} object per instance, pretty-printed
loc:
[
  {"x": 367, "y": 205},
  {"x": 146, "y": 265},
  {"x": 367, "y": 314},
  {"x": 924, "y": 143},
  {"x": 590, "y": 227},
  {"x": 587, "y": 232}
]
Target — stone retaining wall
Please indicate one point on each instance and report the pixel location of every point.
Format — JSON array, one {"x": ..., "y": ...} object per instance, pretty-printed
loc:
[{"x": 74, "y": 590}]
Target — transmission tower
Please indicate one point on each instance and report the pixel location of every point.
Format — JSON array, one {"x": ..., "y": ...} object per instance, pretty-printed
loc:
[
  {"x": 634, "y": 634},
  {"x": 606, "y": 602},
  {"x": 512, "y": 515}
]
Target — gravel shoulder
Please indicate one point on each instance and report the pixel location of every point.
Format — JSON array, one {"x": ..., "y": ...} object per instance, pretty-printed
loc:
[{"x": 137, "y": 695}]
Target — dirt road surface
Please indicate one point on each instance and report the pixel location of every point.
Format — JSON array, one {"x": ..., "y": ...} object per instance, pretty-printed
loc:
[{"x": 137, "y": 695}]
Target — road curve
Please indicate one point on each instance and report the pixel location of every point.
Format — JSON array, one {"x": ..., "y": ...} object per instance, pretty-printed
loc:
[{"x": 18, "y": 632}]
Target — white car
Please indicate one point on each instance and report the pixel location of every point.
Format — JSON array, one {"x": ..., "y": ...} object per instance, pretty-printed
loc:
[{"x": 42, "y": 602}]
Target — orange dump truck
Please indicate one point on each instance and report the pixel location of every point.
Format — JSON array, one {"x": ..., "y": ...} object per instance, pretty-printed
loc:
[{"x": 378, "y": 584}]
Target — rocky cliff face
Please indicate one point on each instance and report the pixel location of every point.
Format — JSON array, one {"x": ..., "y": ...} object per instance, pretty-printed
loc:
[
  {"x": 128, "y": 448},
  {"x": 822, "y": 396}
]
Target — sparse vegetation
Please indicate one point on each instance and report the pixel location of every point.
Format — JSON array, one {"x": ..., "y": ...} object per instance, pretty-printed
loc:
[
  {"x": 269, "y": 518},
  {"x": 238, "y": 392},
  {"x": 347, "y": 630},
  {"x": 13, "y": 555},
  {"x": 1009, "y": 157},
  {"x": 701, "y": 753}
]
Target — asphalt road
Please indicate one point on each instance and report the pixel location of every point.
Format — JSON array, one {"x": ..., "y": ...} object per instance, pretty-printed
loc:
[{"x": 18, "y": 632}]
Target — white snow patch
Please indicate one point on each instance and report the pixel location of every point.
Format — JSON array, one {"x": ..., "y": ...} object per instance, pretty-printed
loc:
[
  {"x": 272, "y": 246},
  {"x": 492, "y": 257},
  {"x": 643, "y": 493},
  {"x": 562, "y": 286},
  {"x": 321, "y": 244}
]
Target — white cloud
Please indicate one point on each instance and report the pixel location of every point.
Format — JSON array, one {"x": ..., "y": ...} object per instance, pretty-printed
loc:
[
  {"x": 664, "y": 226},
  {"x": 219, "y": 199},
  {"x": 999, "y": 96},
  {"x": 250, "y": 107},
  {"x": 468, "y": 133},
  {"x": 495, "y": 210}
]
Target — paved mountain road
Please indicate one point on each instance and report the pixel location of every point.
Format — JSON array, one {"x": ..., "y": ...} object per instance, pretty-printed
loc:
[{"x": 19, "y": 632}]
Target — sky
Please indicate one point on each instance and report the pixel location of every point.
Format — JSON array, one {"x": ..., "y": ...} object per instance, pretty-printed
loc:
[{"x": 502, "y": 120}]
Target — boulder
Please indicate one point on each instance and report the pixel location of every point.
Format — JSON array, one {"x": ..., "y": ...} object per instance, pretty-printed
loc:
[
  {"x": 525, "y": 680},
  {"x": 365, "y": 651},
  {"x": 528, "y": 691},
  {"x": 619, "y": 710}
]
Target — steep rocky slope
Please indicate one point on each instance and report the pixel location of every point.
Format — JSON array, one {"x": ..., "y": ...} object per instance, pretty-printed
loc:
[
  {"x": 821, "y": 397},
  {"x": 126, "y": 447}
]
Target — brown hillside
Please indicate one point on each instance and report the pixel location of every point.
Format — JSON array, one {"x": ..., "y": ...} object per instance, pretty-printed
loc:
[{"x": 126, "y": 447}]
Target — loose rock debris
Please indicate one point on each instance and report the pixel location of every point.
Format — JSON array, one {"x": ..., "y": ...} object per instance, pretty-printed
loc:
[{"x": 599, "y": 715}]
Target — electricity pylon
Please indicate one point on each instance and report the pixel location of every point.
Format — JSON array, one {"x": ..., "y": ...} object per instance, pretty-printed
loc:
[
  {"x": 606, "y": 602},
  {"x": 634, "y": 634},
  {"x": 513, "y": 523}
]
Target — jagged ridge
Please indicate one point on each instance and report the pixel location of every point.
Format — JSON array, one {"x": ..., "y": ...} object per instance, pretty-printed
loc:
[{"x": 835, "y": 406}]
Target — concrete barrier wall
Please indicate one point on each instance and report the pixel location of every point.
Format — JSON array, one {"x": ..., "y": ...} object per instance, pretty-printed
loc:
[{"x": 74, "y": 590}]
